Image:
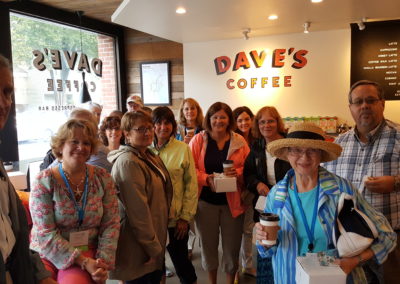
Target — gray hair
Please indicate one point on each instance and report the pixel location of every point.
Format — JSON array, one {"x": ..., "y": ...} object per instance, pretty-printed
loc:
[
  {"x": 4, "y": 62},
  {"x": 93, "y": 105},
  {"x": 377, "y": 86}
]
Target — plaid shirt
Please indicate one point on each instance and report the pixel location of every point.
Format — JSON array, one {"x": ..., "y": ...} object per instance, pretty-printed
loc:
[{"x": 380, "y": 156}]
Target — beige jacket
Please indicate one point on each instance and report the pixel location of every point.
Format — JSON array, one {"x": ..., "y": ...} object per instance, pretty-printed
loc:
[{"x": 145, "y": 193}]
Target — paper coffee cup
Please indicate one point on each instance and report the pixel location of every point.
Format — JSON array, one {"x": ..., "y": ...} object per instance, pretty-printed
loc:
[
  {"x": 190, "y": 131},
  {"x": 227, "y": 165},
  {"x": 269, "y": 220}
]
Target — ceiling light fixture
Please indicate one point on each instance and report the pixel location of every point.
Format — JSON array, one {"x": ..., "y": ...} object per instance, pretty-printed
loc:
[
  {"x": 317, "y": 1},
  {"x": 84, "y": 93},
  {"x": 246, "y": 33},
  {"x": 306, "y": 26},
  {"x": 361, "y": 24},
  {"x": 180, "y": 10},
  {"x": 273, "y": 17}
]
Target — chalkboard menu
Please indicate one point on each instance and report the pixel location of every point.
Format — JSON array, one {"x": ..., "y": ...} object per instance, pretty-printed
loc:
[{"x": 375, "y": 55}]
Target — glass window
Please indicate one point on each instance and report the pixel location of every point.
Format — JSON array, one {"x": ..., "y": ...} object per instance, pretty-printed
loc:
[{"x": 48, "y": 61}]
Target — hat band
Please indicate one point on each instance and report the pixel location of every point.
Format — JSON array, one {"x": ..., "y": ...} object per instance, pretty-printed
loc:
[{"x": 305, "y": 135}]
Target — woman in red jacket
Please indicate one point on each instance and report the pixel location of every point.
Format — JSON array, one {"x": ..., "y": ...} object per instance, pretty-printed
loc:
[{"x": 219, "y": 211}]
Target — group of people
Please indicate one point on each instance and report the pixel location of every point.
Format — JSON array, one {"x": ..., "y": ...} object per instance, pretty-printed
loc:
[{"x": 120, "y": 196}]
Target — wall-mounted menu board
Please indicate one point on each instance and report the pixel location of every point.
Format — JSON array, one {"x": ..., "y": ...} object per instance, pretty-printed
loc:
[{"x": 375, "y": 55}]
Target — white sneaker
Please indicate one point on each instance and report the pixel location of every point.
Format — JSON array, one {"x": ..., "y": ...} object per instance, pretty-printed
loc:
[{"x": 168, "y": 272}]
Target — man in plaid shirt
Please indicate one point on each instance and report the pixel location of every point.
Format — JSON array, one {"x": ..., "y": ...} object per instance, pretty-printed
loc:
[{"x": 371, "y": 161}]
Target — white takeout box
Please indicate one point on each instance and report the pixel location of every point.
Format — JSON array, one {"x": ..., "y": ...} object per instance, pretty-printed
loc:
[
  {"x": 309, "y": 271},
  {"x": 224, "y": 184}
]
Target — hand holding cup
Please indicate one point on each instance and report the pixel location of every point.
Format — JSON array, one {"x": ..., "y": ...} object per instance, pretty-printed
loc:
[
  {"x": 189, "y": 135},
  {"x": 229, "y": 169},
  {"x": 270, "y": 226}
]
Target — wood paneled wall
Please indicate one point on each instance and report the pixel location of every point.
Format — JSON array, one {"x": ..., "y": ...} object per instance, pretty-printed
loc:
[{"x": 140, "y": 47}]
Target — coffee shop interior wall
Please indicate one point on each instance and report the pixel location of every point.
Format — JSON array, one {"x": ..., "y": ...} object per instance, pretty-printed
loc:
[
  {"x": 318, "y": 89},
  {"x": 142, "y": 47}
]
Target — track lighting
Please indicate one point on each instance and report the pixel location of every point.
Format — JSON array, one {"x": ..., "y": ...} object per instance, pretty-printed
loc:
[
  {"x": 361, "y": 24},
  {"x": 306, "y": 26},
  {"x": 246, "y": 33}
]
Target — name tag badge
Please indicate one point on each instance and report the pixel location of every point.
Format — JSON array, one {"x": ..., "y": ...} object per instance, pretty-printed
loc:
[{"x": 80, "y": 240}]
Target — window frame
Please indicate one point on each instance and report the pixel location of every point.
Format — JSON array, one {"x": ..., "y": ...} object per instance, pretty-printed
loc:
[{"x": 8, "y": 136}]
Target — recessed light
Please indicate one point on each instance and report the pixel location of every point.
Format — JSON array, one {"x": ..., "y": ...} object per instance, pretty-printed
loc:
[
  {"x": 306, "y": 27},
  {"x": 317, "y": 1},
  {"x": 180, "y": 10},
  {"x": 273, "y": 17}
]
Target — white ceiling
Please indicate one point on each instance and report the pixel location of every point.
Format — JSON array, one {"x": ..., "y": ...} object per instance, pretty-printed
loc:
[{"x": 208, "y": 20}]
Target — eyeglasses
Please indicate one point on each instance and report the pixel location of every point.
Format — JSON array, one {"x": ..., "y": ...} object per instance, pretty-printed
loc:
[
  {"x": 143, "y": 130},
  {"x": 368, "y": 101},
  {"x": 269, "y": 121},
  {"x": 298, "y": 152}
]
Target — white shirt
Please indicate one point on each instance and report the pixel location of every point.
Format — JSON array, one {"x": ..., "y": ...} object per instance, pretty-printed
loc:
[{"x": 270, "y": 168}]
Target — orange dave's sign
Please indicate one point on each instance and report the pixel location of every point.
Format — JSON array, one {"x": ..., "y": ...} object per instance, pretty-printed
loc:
[{"x": 279, "y": 58}]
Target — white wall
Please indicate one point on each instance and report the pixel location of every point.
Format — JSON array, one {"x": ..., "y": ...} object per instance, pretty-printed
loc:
[{"x": 318, "y": 89}]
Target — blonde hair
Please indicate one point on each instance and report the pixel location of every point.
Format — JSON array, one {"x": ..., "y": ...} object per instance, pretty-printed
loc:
[
  {"x": 274, "y": 113},
  {"x": 200, "y": 116},
  {"x": 83, "y": 114},
  {"x": 130, "y": 118},
  {"x": 65, "y": 132}
]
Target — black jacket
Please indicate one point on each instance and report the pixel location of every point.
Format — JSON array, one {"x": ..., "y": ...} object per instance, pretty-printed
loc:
[{"x": 255, "y": 169}]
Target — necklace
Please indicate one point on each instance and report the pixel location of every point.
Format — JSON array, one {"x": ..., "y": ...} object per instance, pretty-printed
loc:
[{"x": 78, "y": 192}]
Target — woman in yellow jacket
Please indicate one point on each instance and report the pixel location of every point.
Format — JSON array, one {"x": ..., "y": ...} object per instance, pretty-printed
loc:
[{"x": 179, "y": 162}]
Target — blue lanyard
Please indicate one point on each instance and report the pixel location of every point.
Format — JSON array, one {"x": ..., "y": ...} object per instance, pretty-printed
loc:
[
  {"x": 80, "y": 209},
  {"x": 310, "y": 232}
]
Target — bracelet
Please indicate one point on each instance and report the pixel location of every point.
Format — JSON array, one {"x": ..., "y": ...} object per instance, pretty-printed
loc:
[
  {"x": 84, "y": 262},
  {"x": 397, "y": 183}
]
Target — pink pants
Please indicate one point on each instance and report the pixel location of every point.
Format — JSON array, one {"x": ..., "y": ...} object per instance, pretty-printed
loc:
[{"x": 73, "y": 274}]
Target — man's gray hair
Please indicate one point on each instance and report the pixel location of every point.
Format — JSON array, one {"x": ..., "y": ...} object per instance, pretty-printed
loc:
[
  {"x": 377, "y": 86},
  {"x": 4, "y": 62},
  {"x": 93, "y": 105}
]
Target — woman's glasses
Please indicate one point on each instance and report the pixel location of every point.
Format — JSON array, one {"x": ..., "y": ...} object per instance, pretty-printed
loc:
[
  {"x": 143, "y": 130},
  {"x": 299, "y": 152},
  {"x": 264, "y": 122}
]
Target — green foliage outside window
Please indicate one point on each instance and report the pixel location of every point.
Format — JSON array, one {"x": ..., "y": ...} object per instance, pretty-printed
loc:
[{"x": 29, "y": 34}]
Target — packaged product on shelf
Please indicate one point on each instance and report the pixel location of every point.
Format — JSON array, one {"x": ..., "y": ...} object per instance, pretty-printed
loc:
[{"x": 331, "y": 125}]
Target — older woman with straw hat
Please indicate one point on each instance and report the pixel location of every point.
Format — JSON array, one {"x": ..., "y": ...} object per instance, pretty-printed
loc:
[{"x": 306, "y": 202}]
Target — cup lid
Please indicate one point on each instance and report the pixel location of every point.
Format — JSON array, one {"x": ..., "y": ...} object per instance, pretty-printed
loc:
[{"x": 269, "y": 217}]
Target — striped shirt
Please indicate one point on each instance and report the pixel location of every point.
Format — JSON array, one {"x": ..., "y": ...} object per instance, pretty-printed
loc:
[
  {"x": 285, "y": 253},
  {"x": 380, "y": 156}
]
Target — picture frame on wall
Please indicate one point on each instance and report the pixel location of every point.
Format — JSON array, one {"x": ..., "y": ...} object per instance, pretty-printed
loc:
[{"x": 155, "y": 83}]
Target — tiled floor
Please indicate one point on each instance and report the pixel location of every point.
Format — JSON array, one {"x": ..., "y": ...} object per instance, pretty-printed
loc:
[{"x": 201, "y": 274}]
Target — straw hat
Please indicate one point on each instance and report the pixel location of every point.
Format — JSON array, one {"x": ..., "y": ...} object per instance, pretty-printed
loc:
[{"x": 306, "y": 135}]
